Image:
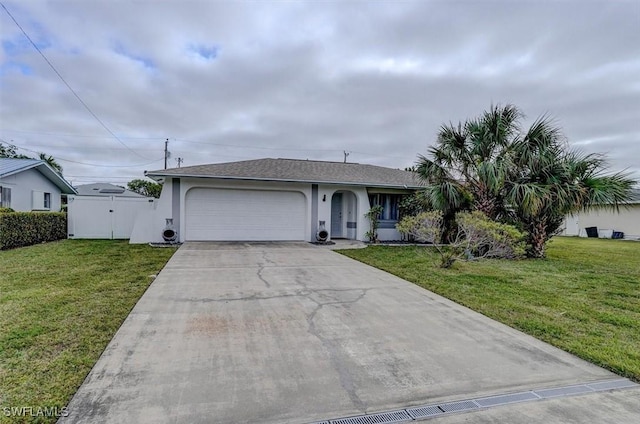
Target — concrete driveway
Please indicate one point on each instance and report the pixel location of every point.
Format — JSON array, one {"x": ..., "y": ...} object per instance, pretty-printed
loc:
[{"x": 293, "y": 333}]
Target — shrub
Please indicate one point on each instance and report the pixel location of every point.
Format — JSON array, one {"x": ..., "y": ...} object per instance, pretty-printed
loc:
[
  {"x": 477, "y": 236},
  {"x": 373, "y": 216},
  {"x": 19, "y": 229},
  {"x": 490, "y": 239},
  {"x": 6, "y": 210},
  {"x": 413, "y": 204},
  {"x": 425, "y": 227}
]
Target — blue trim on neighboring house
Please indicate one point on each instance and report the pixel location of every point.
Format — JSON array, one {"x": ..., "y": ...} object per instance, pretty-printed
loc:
[{"x": 387, "y": 223}]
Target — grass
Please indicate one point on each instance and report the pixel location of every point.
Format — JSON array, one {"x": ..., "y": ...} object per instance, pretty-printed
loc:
[
  {"x": 583, "y": 298},
  {"x": 60, "y": 304}
]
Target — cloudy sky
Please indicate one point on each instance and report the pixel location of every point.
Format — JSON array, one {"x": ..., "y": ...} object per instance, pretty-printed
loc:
[{"x": 233, "y": 80}]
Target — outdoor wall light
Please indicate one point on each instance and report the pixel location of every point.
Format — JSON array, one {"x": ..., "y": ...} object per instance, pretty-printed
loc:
[{"x": 324, "y": 197}]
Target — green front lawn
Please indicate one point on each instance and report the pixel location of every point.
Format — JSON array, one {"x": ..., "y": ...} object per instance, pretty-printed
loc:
[
  {"x": 584, "y": 298},
  {"x": 60, "y": 304}
]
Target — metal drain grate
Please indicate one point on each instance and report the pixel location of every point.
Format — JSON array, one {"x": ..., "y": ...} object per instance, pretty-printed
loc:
[
  {"x": 464, "y": 405},
  {"x": 425, "y": 411},
  {"x": 610, "y": 385},
  {"x": 381, "y": 418},
  {"x": 434, "y": 410},
  {"x": 563, "y": 391},
  {"x": 506, "y": 399}
]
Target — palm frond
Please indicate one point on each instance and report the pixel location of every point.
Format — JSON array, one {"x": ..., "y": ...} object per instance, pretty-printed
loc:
[
  {"x": 608, "y": 192},
  {"x": 528, "y": 198},
  {"x": 431, "y": 171}
]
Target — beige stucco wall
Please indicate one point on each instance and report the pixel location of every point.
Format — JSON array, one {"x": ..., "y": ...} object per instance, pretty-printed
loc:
[{"x": 626, "y": 220}]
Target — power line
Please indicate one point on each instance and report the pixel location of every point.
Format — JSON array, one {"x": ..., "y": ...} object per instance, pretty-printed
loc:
[
  {"x": 109, "y": 166},
  {"x": 207, "y": 143},
  {"x": 84, "y": 147},
  {"x": 67, "y": 84},
  {"x": 254, "y": 147},
  {"x": 292, "y": 149},
  {"x": 77, "y": 135},
  {"x": 88, "y": 164}
]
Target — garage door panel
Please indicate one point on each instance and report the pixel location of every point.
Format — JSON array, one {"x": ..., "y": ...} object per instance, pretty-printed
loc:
[{"x": 221, "y": 214}]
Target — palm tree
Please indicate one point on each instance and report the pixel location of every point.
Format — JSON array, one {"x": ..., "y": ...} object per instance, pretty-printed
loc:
[
  {"x": 547, "y": 181},
  {"x": 51, "y": 161},
  {"x": 469, "y": 161},
  {"x": 468, "y": 165},
  {"x": 528, "y": 179}
]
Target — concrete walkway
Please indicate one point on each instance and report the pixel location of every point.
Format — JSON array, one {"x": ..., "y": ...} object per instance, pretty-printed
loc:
[{"x": 294, "y": 333}]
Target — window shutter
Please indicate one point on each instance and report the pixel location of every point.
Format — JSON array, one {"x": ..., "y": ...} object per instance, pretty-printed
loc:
[{"x": 37, "y": 200}]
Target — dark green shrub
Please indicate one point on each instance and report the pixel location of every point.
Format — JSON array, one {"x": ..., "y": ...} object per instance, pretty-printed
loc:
[
  {"x": 6, "y": 210},
  {"x": 413, "y": 204},
  {"x": 19, "y": 229}
]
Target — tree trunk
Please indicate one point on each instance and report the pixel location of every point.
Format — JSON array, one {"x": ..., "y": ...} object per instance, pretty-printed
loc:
[
  {"x": 537, "y": 240},
  {"x": 486, "y": 204}
]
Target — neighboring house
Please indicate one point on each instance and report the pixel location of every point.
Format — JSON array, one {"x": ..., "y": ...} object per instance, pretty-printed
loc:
[
  {"x": 31, "y": 185},
  {"x": 105, "y": 189},
  {"x": 275, "y": 199},
  {"x": 104, "y": 211},
  {"x": 625, "y": 220}
]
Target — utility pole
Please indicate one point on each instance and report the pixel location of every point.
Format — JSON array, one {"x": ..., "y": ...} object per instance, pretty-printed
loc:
[
  {"x": 345, "y": 155},
  {"x": 179, "y": 160},
  {"x": 166, "y": 152}
]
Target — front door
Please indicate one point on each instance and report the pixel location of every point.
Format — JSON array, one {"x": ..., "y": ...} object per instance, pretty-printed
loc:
[{"x": 336, "y": 215}]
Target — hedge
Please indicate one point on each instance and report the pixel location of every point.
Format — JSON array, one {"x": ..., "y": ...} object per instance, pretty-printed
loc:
[{"x": 19, "y": 229}]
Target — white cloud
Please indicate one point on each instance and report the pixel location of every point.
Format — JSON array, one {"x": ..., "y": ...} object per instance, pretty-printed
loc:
[{"x": 240, "y": 80}]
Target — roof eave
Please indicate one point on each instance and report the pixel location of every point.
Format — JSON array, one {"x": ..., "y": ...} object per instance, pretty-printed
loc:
[
  {"x": 64, "y": 186},
  {"x": 282, "y": 180},
  {"x": 48, "y": 172}
]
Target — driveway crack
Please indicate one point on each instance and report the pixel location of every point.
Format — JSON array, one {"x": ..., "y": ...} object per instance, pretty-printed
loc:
[
  {"x": 333, "y": 347},
  {"x": 262, "y": 267},
  {"x": 252, "y": 297}
]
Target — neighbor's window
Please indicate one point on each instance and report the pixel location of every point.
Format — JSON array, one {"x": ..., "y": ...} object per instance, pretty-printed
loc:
[
  {"x": 41, "y": 201},
  {"x": 390, "y": 205},
  {"x": 5, "y": 197}
]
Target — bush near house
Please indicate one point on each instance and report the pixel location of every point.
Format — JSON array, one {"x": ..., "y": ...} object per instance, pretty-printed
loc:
[
  {"x": 477, "y": 236},
  {"x": 19, "y": 229}
]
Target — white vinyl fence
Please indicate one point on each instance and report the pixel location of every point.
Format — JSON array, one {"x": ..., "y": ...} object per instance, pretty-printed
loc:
[{"x": 108, "y": 217}]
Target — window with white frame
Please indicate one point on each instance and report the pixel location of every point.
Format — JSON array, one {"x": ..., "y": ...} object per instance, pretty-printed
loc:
[
  {"x": 41, "y": 201},
  {"x": 5, "y": 197}
]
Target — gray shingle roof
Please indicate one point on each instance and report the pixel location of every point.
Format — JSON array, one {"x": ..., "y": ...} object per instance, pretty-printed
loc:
[
  {"x": 105, "y": 189},
  {"x": 10, "y": 166},
  {"x": 294, "y": 170}
]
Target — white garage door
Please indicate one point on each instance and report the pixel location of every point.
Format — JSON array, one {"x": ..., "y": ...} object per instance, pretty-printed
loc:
[{"x": 220, "y": 214}]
